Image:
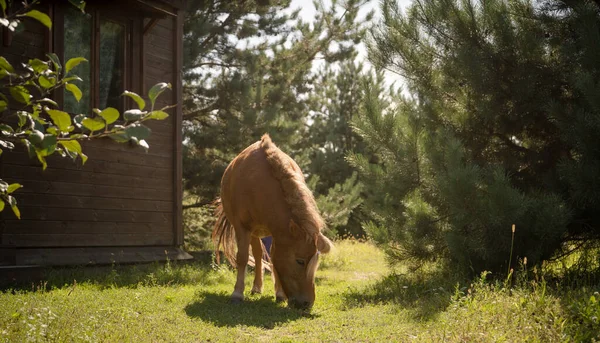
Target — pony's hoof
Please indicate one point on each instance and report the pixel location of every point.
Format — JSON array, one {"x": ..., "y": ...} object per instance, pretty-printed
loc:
[
  {"x": 255, "y": 291},
  {"x": 279, "y": 299},
  {"x": 235, "y": 300}
]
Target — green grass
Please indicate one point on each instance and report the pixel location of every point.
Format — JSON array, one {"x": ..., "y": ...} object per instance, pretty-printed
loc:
[{"x": 359, "y": 299}]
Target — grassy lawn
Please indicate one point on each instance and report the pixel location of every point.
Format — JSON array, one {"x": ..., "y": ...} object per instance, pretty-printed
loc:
[{"x": 359, "y": 299}]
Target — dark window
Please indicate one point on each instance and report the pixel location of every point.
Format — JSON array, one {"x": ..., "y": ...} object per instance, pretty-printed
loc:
[
  {"x": 104, "y": 39},
  {"x": 78, "y": 43},
  {"x": 112, "y": 63}
]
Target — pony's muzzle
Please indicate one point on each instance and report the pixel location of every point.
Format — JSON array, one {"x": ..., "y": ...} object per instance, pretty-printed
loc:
[{"x": 300, "y": 304}]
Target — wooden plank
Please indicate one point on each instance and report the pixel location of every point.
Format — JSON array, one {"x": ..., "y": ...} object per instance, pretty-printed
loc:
[
  {"x": 83, "y": 214},
  {"x": 129, "y": 157},
  {"x": 68, "y": 188},
  {"x": 96, "y": 255},
  {"x": 153, "y": 41},
  {"x": 23, "y": 51},
  {"x": 136, "y": 66},
  {"x": 158, "y": 74},
  {"x": 159, "y": 146},
  {"x": 95, "y": 166},
  {"x": 163, "y": 126},
  {"x": 30, "y": 37},
  {"x": 160, "y": 51},
  {"x": 167, "y": 24},
  {"x": 142, "y": 60},
  {"x": 160, "y": 62},
  {"x": 91, "y": 202},
  {"x": 177, "y": 135},
  {"x": 83, "y": 240},
  {"x": 162, "y": 29},
  {"x": 177, "y": 4},
  {"x": 81, "y": 227},
  {"x": 34, "y": 173}
]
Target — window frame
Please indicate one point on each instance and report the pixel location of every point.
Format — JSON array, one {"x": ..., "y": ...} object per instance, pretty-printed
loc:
[{"x": 132, "y": 49}]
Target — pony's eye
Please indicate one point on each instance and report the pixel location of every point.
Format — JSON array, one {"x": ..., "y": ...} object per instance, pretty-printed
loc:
[{"x": 300, "y": 262}]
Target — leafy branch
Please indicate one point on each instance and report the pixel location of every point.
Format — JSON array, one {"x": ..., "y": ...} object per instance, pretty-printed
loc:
[{"x": 29, "y": 117}]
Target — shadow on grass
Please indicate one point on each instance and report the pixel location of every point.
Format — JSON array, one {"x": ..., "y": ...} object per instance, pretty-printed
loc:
[
  {"x": 258, "y": 311},
  {"x": 423, "y": 297},
  {"x": 197, "y": 272}
]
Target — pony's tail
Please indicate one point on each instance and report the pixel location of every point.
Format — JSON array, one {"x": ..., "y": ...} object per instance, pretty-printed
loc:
[{"x": 223, "y": 235}]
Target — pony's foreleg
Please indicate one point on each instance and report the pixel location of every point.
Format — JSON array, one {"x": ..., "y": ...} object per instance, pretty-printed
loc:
[
  {"x": 257, "y": 252},
  {"x": 279, "y": 293},
  {"x": 243, "y": 244}
]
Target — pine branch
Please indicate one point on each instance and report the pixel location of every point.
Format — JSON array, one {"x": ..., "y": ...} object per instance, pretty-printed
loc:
[{"x": 197, "y": 204}]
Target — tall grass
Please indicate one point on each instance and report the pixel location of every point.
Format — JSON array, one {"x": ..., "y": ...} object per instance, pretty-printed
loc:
[{"x": 359, "y": 298}]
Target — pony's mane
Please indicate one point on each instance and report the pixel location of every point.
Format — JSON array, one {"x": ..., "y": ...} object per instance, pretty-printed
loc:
[{"x": 296, "y": 193}]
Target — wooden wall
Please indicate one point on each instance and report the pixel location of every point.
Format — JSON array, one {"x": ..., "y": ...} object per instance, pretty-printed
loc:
[{"x": 122, "y": 196}]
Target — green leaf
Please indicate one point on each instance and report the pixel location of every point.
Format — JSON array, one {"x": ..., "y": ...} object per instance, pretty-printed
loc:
[
  {"x": 39, "y": 123},
  {"x": 158, "y": 115},
  {"x": 16, "y": 211},
  {"x": 1, "y": 201},
  {"x": 55, "y": 60},
  {"x": 42, "y": 160},
  {"x": 5, "y": 65},
  {"x": 20, "y": 94},
  {"x": 94, "y": 124},
  {"x": 36, "y": 137},
  {"x": 79, "y": 4},
  {"x": 6, "y": 129},
  {"x": 120, "y": 137},
  {"x": 71, "y": 78},
  {"x": 110, "y": 115},
  {"x": 23, "y": 118},
  {"x": 50, "y": 101},
  {"x": 74, "y": 146},
  {"x": 133, "y": 115},
  {"x": 46, "y": 82},
  {"x": 75, "y": 90},
  {"x": 61, "y": 119},
  {"x": 72, "y": 63},
  {"x": 156, "y": 90},
  {"x": 13, "y": 187},
  {"x": 3, "y": 5},
  {"x": 41, "y": 17},
  {"x": 3, "y": 105},
  {"x": 30, "y": 148},
  {"x": 3, "y": 186},
  {"x": 138, "y": 99},
  {"x": 143, "y": 144},
  {"x": 48, "y": 145},
  {"x": 38, "y": 65},
  {"x": 138, "y": 131},
  {"x": 6, "y": 23},
  {"x": 6, "y": 144}
]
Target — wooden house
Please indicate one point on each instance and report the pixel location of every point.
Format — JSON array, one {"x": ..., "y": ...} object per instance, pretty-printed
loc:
[{"x": 124, "y": 204}]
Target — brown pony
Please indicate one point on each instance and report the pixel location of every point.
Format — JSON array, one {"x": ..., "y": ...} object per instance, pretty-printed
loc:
[{"x": 263, "y": 193}]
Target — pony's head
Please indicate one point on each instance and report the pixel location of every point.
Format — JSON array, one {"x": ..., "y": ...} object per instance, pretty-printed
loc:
[{"x": 295, "y": 260}]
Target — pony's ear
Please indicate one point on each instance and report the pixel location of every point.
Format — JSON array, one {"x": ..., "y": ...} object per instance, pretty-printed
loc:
[
  {"x": 324, "y": 245},
  {"x": 294, "y": 228}
]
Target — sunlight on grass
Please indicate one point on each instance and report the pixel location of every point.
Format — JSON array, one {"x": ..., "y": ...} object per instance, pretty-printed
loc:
[{"x": 358, "y": 299}]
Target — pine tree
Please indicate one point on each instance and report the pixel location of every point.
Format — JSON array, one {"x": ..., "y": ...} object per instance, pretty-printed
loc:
[
  {"x": 332, "y": 106},
  {"x": 239, "y": 88},
  {"x": 499, "y": 128}
]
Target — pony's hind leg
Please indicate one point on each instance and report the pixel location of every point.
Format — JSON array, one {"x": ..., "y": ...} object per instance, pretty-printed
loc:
[
  {"x": 257, "y": 252},
  {"x": 243, "y": 245}
]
